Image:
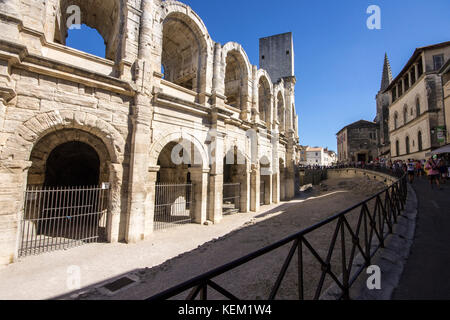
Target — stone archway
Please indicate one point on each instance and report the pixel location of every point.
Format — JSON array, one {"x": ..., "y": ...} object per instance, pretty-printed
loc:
[
  {"x": 179, "y": 159},
  {"x": 236, "y": 180}
]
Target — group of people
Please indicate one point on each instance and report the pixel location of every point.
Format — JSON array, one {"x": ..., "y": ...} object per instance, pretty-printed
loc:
[{"x": 435, "y": 168}]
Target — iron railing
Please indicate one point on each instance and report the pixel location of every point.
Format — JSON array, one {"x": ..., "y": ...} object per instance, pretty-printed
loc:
[
  {"x": 363, "y": 236},
  {"x": 173, "y": 204},
  {"x": 61, "y": 218},
  {"x": 231, "y": 197}
]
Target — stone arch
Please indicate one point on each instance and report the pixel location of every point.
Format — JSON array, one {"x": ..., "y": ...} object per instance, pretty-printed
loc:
[
  {"x": 419, "y": 140},
  {"x": 237, "y": 71},
  {"x": 19, "y": 146},
  {"x": 236, "y": 47},
  {"x": 395, "y": 120},
  {"x": 418, "y": 106},
  {"x": 200, "y": 153},
  {"x": 281, "y": 108},
  {"x": 177, "y": 16},
  {"x": 405, "y": 114},
  {"x": 264, "y": 94},
  {"x": 107, "y": 17},
  {"x": 45, "y": 146}
]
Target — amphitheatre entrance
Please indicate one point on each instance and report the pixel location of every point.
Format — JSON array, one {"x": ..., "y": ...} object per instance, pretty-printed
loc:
[{"x": 65, "y": 203}]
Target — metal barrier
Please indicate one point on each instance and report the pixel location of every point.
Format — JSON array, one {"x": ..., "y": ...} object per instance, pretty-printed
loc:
[
  {"x": 61, "y": 218},
  {"x": 172, "y": 205},
  {"x": 374, "y": 225},
  {"x": 231, "y": 197},
  {"x": 262, "y": 193}
]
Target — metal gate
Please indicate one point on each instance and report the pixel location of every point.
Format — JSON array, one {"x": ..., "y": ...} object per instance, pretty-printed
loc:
[
  {"x": 62, "y": 218},
  {"x": 173, "y": 204},
  {"x": 231, "y": 198},
  {"x": 262, "y": 193}
]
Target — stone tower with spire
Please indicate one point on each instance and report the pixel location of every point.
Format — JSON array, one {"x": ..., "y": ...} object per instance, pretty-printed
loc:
[{"x": 382, "y": 118}]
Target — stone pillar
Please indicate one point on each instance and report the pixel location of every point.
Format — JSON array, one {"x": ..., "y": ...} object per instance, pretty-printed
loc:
[
  {"x": 215, "y": 190},
  {"x": 276, "y": 187},
  {"x": 141, "y": 133},
  {"x": 150, "y": 201},
  {"x": 13, "y": 174},
  {"x": 199, "y": 177},
  {"x": 255, "y": 183},
  {"x": 115, "y": 203},
  {"x": 416, "y": 70},
  {"x": 138, "y": 181},
  {"x": 218, "y": 71},
  {"x": 282, "y": 184},
  {"x": 255, "y": 110},
  {"x": 268, "y": 189},
  {"x": 245, "y": 181}
]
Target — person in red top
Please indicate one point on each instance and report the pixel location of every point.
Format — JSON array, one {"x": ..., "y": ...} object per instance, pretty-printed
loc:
[
  {"x": 419, "y": 169},
  {"x": 433, "y": 170}
]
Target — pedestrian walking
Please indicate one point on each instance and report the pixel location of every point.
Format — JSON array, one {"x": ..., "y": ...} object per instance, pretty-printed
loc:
[
  {"x": 411, "y": 169},
  {"x": 433, "y": 171}
]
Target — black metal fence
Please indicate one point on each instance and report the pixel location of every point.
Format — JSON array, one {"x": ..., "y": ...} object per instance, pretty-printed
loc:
[
  {"x": 350, "y": 237},
  {"x": 172, "y": 205},
  {"x": 231, "y": 198},
  {"x": 61, "y": 218}
]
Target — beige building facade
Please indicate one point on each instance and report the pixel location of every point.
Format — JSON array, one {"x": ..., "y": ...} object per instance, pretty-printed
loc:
[
  {"x": 416, "y": 109},
  {"x": 165, "y": 92}
]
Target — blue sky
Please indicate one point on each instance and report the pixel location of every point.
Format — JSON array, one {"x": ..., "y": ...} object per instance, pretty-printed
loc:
[{"x": 338, "y": 60}]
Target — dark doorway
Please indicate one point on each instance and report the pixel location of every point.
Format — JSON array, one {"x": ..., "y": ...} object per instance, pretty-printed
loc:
[
  {"x": 72, "y": 164},
  {"x": 361, "y": 157}
]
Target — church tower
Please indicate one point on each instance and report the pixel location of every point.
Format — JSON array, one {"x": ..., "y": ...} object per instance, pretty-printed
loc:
[{"x": 382, "y": 118}]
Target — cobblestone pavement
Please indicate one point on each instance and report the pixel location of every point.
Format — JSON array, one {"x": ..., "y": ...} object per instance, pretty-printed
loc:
[{"x": 427, "y": 272}]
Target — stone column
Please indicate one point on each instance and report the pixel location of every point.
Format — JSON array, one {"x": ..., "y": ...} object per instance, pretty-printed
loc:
[
  {"x": 416, "y": 70},
  {"x": 13, "y": 174},
  {"x": 245, "y": 181},
  {"x": 115, "y": 203},
  {"x": 199, "y": 177},
  {"x": 150, "y": 201},
  {"x": 141, "y": 132},
  {"x": 255, "y": 183},
  {"x": 276, "y": 187},
  {"x": 255, "y": 108},
  {"x": 268, "y": 189},
  {"x": 215, "y": 191}
]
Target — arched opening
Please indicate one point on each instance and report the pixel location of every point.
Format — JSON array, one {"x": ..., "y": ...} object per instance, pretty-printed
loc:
[
  {"x": 234, "y": 76},
  {"x": 72, "y": 164},
  {"x": 65, "y": 206},
  {"x": 397, "y": 148},
  {"x": 417, "y": 107},
  {"x": 282, "y": 180},
  {"x": 103, "y": 16},
  {"x": 173, "y": 191},
  {"x": 180, "y": 186},
  {"x": 405, "y": 115},
  {"x": 419, "y": 141},
  {"x": 395, "y": 120},
  {"x": 234, "y": 182},
  {"x": 86, "y": 39},
  {"x": 264, "y": 99},
  {"x": 281, "y": 112},
  {"x": 407, "y": 145},
  {"x": 181, "y": 53}
]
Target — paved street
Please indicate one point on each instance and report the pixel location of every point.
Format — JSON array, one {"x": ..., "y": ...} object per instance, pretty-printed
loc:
[{"x": 427, "y": 272}]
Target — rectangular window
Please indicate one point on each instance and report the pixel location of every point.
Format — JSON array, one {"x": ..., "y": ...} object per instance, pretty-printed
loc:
[{"x": 438, "y": 61}]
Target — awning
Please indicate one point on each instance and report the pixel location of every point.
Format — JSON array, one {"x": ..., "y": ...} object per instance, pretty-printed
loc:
[{"x": 442, "y": 150}]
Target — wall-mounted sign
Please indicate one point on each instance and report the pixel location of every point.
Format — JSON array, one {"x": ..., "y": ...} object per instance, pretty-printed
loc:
[{"x": 440, "y": 134}]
